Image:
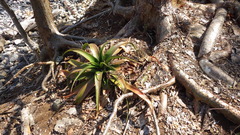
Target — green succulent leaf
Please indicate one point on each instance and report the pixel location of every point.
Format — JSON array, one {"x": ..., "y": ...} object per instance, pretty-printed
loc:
[
  {"x": 84, "y": 89},
  {"x": 95, "y": 50},
  {"x": 98, "y": 85},
  {"x": 118, "y": 57},
  {"x": 112, "y": 49},
  {"x": 75, "y": 63},
  {"x": 83, "y": 53},
  {"x": 80, "y": 73}
]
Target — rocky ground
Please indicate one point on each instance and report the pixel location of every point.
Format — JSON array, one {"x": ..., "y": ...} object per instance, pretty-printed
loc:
[{"x": 23, "y": 102}]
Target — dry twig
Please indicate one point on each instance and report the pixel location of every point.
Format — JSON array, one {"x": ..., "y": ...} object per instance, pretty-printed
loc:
[
  {"x": 120, "y": 99},
  {"x": 26, "y": 67}
]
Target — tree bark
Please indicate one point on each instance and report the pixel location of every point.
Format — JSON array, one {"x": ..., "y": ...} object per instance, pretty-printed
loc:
[{"x": 44, "y": 19}]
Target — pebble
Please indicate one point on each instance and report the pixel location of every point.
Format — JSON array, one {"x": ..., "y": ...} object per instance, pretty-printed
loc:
[
  {"x": 17, "y": 41},
  {"x": 14, "y": 57},
  {"x": 62, "y": 125},
  {"x": 3, "y": 74},
  {"x": 72, "y": 111},
  {"x": 57, "y": 104},
  {"x": 216, "y": 90}
]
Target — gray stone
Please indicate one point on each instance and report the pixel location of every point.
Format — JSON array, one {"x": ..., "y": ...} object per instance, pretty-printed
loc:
[
  {"x": 17, "y": 41},
  {"x": 216, "y": 90},
  {"x": 62, "y": 125},
  {"x": 57, "y": 104},
  {"x": 72, "y": 111},
  {"x": 14, "y": 57},
  {"x": 3, "y": 74}
]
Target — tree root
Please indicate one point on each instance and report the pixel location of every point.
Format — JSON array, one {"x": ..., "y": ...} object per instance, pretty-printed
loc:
[
  {"x": 120, "y": 99},
  {"x": 204, "y": 95},
  {"x": 215, "y": 72},
  {"x": 128, "y": 29},
  {"x": 126, "y": 12},
  {"x": 51, "y": 70},
  {"x": 85, "y": 40},
  {"x": 212, "y": 32}
]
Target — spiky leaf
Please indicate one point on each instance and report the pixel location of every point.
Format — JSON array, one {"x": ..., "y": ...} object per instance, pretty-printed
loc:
[
  {"x": 83, "y": 53},
  {"x": 84, "y": 90},
  {"x": 98, "y": 84}
]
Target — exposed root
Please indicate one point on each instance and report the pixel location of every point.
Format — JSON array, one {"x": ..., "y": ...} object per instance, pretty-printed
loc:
[
  {"x": 204, "y": 95},
  {"x": 120, "y": 99},
  {"x": 51, "y": 70},
  {"x": 69, "y": 28},
  {"x": 212, "y": 32},
  {"x": 126, "y": 12},
  {"x": 215, "y": 72},
  {"x": 85, "y": 40},
  {"x": 128, "y": 29},
  {"x": 26, "y": 67}
]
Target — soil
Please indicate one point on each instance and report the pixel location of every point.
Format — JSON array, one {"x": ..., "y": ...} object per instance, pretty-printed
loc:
[{"x": 53, "y": 114}]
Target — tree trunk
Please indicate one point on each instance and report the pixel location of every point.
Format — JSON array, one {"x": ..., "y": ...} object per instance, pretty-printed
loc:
[
  {"x": 153, "y": 14},
  {"x": 44, "y": 20},
  {"x": 156, "y": 14},
  {"x": 53, "y": 40},
  {"x": 46, "y": 27}
]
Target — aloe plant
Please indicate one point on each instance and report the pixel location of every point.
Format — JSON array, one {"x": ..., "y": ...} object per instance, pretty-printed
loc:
[{"x": 98, "y": 69}]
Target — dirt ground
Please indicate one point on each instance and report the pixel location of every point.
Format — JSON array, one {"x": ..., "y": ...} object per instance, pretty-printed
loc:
[{"x": 50, "y": 113}]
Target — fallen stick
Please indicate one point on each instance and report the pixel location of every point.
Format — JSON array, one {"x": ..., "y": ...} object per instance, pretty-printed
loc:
[
  {"x": 26, "y": 67},
  {"x": 230, "y": 112},
  {"x": 212, "y": 32},
  {"x": 121, "y": 98}
]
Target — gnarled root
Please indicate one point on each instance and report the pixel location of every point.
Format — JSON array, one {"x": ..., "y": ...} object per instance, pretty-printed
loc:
[{"x": 204, "y": 95}]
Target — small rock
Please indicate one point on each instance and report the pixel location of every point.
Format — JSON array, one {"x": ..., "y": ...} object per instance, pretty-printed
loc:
[
  {"x": 62, "y": 125},
  {"x": 14, "y": 57},
  {"x": 72, "y": 111},
  {"x": 216, "y": 90},
  {"x": 57, "y": 104},
  {"x": 236, "y": 30},
  {"x": 142, "y": 120},
  {"x": 2, "y": 42},
  {"x": 17, "y": 41},
  {"x": 3, "y": 74}
]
